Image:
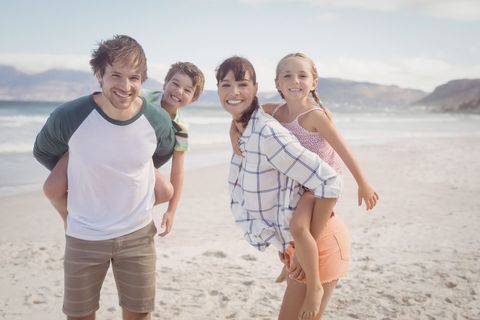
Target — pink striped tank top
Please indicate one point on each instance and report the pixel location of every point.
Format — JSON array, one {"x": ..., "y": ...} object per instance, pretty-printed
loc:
[{"x": 313, "y": 141}]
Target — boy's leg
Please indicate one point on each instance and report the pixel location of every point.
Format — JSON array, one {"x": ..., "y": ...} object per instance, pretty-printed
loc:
[
  {"x": 56, "y": 186},
  {"x": 163, "y": 188}
]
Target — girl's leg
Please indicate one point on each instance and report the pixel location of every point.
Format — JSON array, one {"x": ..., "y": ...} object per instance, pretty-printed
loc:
[
  {"x": 306, "y": 252},
  {"x": 321, "y": 214},
  {"x": 163, "y": 188},
  {"x": 292, "y": 300},
  {"x": 295, "y": 295},
  {"x": 56, "y": 186},
  {"x": 327, "y": 294}
]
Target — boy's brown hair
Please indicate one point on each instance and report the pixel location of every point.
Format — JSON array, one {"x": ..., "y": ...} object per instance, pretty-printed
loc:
[
  {"x": 192, "y": 71},
  {"x": 120, "y": 48}
]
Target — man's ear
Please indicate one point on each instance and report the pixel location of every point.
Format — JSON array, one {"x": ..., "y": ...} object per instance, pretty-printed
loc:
[{"x": 99, "y": 78}]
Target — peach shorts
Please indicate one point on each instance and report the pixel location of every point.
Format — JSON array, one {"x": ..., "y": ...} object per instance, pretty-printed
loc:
[{"x": 333, "y": 250}]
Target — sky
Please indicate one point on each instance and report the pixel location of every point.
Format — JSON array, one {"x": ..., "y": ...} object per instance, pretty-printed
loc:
[{"x": 416, "y": 44}]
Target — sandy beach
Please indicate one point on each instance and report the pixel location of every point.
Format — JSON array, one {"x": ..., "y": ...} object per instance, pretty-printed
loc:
[{"x": 415, "y": 257}]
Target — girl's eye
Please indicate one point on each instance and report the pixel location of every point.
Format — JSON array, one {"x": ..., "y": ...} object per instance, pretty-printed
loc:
[{"x": 225, "y": 85}]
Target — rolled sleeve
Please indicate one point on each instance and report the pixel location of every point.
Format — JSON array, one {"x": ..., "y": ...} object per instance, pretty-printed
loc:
[{"x": 289, "y": 157}]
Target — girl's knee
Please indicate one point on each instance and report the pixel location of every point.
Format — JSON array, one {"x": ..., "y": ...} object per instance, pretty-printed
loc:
[{"x": 298, "y": 229}]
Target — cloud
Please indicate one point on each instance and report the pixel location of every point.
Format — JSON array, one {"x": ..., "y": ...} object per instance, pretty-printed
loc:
[
  {"x": 409, "y": 72},
  {"x": 468, "y": 10},
  {"x": 34, "y": 63},
  {"x": 413, "y": 72},
  {"x": 327, "y": 17}
]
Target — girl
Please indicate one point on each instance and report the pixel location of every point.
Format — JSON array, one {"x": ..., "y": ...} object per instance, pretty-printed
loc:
[
  {"x": 183, "y": 85},
  {"x": 303, "y": 114}
]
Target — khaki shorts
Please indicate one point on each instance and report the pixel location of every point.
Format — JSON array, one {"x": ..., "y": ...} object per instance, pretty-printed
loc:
[
  {"x": 333, "y": 250},
  {"x": 133, "y": 259}
]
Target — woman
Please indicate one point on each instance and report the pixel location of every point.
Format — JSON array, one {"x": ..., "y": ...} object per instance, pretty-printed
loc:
[{"x": 267, "y": 180}]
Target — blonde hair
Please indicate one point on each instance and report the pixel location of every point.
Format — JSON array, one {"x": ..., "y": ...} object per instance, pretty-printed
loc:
[{"x": 313, "y": 70}]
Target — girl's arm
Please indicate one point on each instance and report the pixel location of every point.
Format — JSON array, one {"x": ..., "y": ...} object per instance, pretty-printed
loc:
[
  {"x": 326, "y": 128},
  {"x": 176, "y": 178}
]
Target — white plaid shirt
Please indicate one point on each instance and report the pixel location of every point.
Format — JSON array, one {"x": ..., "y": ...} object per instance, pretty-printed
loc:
[{"x": 266, "y": 182}]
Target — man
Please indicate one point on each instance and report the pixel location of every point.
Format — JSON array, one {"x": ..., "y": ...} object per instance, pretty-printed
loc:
[{"x": 115, "y": 140}]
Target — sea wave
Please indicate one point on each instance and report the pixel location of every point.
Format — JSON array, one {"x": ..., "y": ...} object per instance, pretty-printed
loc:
[
  {"x": 208, "y": 120},
  {"x": 15, "y": 121},
  {"x": 390, "y": 119},
  {"x": 16, "y": 148}
]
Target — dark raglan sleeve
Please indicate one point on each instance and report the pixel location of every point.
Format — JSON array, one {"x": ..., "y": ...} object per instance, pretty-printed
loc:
[
  {"x": 52, "y": 140},
  {"x": 165, "y": 133},
  {"x": 50, "y": 143}
]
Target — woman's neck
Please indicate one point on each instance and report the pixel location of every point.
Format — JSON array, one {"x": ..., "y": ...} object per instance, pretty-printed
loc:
[{"x": 239, "y": 125}]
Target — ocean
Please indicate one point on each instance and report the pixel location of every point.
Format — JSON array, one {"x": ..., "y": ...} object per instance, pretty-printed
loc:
[{"x": 21, "y": 121}]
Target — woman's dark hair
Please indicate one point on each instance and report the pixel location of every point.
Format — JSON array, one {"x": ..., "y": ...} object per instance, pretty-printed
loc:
[{"x": 239, "y": 66}]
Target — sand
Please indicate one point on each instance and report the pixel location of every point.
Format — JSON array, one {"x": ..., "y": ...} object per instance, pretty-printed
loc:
[{"x": 415, "y": 257}]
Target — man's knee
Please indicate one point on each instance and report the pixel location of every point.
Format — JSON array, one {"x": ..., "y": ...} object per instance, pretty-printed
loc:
[
  {"x": 88, "y": 317},
  {"x": 128, "y": 315}
]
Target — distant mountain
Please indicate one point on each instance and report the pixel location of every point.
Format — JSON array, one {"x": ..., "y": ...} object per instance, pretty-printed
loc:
[
  {"x": 63, "y": 85},
  {"x": 455, "y": 95},
  {"x": 337, "y": 93},
  {"x": 51, "y": 85}
]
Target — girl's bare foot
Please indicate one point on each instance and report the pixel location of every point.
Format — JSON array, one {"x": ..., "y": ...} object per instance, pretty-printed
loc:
[{"x": 311, "y": 304}]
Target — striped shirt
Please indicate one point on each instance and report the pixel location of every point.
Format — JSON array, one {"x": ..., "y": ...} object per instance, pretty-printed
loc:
[
  {"x": 266, "y": 182},
  {"x": 179, "y": 125}
]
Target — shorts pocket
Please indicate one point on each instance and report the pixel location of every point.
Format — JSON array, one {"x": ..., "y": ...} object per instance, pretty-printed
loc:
[{"x": 344, "y": 244}]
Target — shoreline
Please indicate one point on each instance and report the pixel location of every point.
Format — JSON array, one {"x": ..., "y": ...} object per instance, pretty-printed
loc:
[{"x": 416, "y": 256}]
